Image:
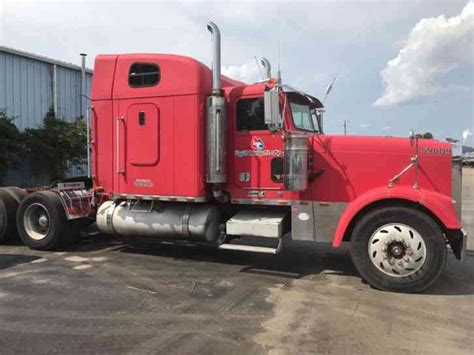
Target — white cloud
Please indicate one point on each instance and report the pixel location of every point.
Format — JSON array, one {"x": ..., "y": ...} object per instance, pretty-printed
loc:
[
  {"x": 465, "y": 135},
  {"x": 365, "y": 126},
  {"x": 434, "y": 48},
  {"x": 387, "y": 128},
  {"x": 247, "y": 72}
]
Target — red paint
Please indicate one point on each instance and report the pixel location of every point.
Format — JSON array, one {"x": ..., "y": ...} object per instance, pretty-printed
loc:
[
  {"x": 166, "y": 156},
  {"x": 439, "y": 204}
]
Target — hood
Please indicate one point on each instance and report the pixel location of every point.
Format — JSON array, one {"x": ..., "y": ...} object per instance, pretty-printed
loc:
[{"x": 352, "y": 165}]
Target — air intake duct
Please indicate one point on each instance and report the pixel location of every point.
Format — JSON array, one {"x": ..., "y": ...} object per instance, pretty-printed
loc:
[{"x": 295, "y": 170}]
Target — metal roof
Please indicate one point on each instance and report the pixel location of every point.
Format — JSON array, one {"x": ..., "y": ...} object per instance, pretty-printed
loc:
[{"x": 42, "y": 58}]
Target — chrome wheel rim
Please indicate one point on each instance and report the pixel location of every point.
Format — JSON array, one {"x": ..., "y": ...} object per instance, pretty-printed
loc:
[
  {"x": 397, "y": 250},
  {"x": 36, "y": 221}
]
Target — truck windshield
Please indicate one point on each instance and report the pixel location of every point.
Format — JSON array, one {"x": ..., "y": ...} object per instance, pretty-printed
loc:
[{"x": 302, "y": 114}]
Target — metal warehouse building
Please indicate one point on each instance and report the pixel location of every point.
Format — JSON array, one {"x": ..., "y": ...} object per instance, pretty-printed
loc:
[{"x": 30, "y": 85}]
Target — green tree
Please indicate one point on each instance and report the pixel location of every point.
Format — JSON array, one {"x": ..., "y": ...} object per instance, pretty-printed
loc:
[
  {"x": 58, "y": 142},
  {"x": 11, "y": 146}
]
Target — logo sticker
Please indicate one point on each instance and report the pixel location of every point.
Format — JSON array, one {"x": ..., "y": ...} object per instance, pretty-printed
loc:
[
  {"x": 258, "y": 144},
  {"x": 258, "y": 150},
  {"x": 143, "y": 183},
  {"x": 436, "y": 151}
]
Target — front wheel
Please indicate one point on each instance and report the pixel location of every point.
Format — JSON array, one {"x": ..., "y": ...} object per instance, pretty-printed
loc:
[{"x": 398, "y": 249}]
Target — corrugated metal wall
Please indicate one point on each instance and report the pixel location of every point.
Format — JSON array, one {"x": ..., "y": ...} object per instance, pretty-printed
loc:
[
  {"x": 26, "y": 89},
  {"x": 69, "y": 92},
  {"x": 26, "y": 92}
]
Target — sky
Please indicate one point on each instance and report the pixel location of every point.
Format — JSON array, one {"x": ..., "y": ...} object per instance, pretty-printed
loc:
[{"x": 399, "y": 65}]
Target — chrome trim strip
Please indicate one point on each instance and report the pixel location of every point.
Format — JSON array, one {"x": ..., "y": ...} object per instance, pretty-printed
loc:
[
  {"x": 245, "y": 201},
  {"x": 158, "y": 198},
  {"x": 263, "y": 188}
]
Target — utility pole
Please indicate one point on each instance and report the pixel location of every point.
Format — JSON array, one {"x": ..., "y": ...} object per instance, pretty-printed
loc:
[{"x": 345, "y": 127}]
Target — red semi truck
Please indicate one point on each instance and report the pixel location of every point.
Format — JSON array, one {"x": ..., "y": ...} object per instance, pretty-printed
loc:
[{"x": 181, "y": 152}]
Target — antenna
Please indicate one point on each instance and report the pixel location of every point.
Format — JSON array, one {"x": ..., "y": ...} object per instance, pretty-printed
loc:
[
  {"x": 258, "y": 66},
  {"x": 329, "y": 88},
  {"x": 278, "y": 45}
]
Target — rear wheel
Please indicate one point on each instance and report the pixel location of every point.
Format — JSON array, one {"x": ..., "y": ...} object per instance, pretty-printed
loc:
[
  {"x": 42, "y": 222},
  {"x": 398, "y": 249},
  {"x": 10, "y": 198}
]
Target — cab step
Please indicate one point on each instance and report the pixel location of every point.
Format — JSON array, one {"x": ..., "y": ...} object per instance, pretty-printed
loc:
[{"x": 257, "y": 223}]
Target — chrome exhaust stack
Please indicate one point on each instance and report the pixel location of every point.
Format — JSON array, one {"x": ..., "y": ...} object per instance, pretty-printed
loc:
[
  {"x": 216, "y": 57},
  {"x": 216, "y": 119},
  {"x": 268, "y": 68}
]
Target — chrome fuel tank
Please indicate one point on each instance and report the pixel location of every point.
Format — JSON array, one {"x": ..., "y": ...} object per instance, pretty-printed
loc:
[{"x": 197, "y": 222}]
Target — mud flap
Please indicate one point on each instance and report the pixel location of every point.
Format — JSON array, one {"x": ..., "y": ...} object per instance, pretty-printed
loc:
[{"x": 457, "y": 239}]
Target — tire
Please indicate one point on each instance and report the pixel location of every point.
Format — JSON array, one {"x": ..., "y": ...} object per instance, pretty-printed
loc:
[
  {"x": 10, "y": 198},
  {"x": 42, "y": 222},
  {"x": 398, "y": 249}
]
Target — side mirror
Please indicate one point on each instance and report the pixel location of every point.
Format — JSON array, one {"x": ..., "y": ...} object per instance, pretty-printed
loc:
[{"x": 272, "y": 108}]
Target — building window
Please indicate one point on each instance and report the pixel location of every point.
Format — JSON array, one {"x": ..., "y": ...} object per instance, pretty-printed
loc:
[
  {"x": 251, "y": 115},
  {"x": 143, "y": 74}
]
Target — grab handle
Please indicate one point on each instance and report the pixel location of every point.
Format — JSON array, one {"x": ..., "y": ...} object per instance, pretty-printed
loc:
[{"x": 120, "y": 171}]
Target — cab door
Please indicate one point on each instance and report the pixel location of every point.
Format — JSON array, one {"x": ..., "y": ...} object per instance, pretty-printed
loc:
[
  {"x": 144, "y": 146},
  {"x": 258, "y": 152}
]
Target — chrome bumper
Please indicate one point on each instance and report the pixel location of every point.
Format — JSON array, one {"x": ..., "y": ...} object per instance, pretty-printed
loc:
[{"x": 456, "y": 184}]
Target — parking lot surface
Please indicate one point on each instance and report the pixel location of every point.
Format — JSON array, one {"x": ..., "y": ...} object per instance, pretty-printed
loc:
[{"x": 112, "y": 295}]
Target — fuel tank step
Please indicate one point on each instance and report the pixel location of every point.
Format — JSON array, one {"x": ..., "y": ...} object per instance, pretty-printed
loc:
[{"x": 251, "y": 248}]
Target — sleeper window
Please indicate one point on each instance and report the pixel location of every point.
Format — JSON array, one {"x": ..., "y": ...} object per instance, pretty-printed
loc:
[
  {"x": 251, "y": 115},
  {"x": 142, "y": 74}
]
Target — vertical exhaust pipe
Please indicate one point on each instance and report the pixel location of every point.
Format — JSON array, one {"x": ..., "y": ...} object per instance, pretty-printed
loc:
[
  {"x": 216, "y": 119},
  {"x": 268, "y": 68},
  {"x": 85, "y": 112},
  {"x": 83, "y": 84},
  {"x": 216, "y": 57}
]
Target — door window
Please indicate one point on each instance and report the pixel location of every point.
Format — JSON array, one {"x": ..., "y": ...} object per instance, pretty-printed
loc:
[{"x": 251, "y": 115}]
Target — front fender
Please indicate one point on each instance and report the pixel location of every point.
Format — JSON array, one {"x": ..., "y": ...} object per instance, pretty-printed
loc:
[{"x": 440, "y": 205}]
